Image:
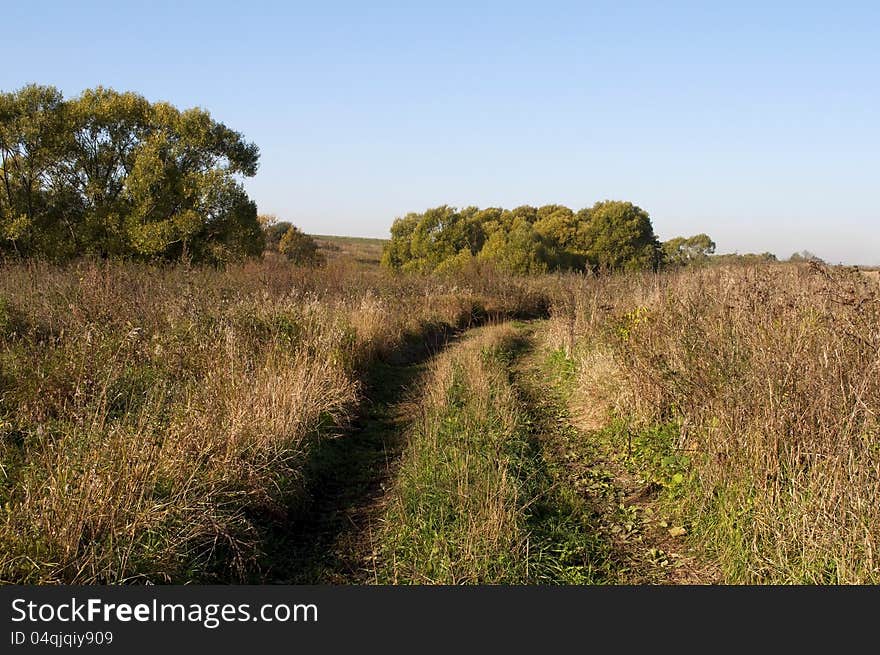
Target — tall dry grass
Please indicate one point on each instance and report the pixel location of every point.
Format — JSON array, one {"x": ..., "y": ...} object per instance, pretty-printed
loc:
[
  {"x": 148, "y": 414},
  {"x": 773, "y": 375}
]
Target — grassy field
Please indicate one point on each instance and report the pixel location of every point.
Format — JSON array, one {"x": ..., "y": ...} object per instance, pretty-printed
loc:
[
  {"x": 363, "y": 250},
  {"x": 750, "y": 397},
  {"x": 148, "y": 414},
  {"x": 271, "y": 422}
]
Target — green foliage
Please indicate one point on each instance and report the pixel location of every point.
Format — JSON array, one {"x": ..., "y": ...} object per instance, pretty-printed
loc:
[
  {"x": 748, "y": 258},
  {"x": 653, "y": 451},
  {"x": 619, "y": 235},
  {"x": 285, "y": 238},
  {"x": 113, "y": 175},
  {"x": 299, "y": 247},
  {"x": 525, "y": 240},
  {"x": 805, "y": 256},
  {"x": 688, "y": 251},
  {"x": 423, "y": 242},
  {"x": 520, "y": 249},
  {"x": 273, "y": 230}
]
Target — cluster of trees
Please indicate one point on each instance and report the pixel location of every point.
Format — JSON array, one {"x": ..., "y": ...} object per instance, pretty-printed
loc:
[
  {"x": 688, "y": 251},
  {"x": 113, "y": 175},
  {"x": 744, "y": 259},
  {"x": 286, "y": 239},
  {"x": 805, "y": 256},
  {"x": 610, "y": 235}
]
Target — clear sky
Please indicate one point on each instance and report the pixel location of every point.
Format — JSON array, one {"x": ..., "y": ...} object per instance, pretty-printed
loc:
[{"x": 756, "y": 122}]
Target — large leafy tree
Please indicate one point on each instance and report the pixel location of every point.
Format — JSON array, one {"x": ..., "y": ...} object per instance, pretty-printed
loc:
[
  {"x": 520, "y": 248},
  {"x": 561, "y": 227},
  {"x": 618, "y": 235},
  {"x": 104, "y": 132},
  {"x": 441, "y": 237},
  {"x": 112, "y": 174},
  {"x": 32, "y": 141},
  {"x": 434, "y": 237},
  {"x": 398, "y": 253}
]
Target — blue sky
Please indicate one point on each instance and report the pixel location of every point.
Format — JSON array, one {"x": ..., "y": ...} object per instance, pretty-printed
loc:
[{"x": 754, "y": 122}]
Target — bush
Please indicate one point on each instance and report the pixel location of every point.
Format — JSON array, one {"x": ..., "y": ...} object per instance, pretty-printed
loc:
[{"x": 300, "y": 247}]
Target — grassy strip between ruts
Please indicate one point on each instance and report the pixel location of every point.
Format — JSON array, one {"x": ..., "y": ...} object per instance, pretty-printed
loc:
[{"x": 475, "y": 501}]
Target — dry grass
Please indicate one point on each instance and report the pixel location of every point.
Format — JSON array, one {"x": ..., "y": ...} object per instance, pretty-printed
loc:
[
  {"x": 362, "y": 250},
  {"x": 773, "y": 377},
  {"x": 147, "y": 414}
]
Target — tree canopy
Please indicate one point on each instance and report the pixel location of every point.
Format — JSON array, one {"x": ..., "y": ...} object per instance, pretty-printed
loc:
[
  {"x": 688, "y": 251},
  {"x": 805, "y": 256},
  {"x": 746, "y": 258},
  {"x": 609, "y": 235},
  {"x": 299, "y": 247},
  {"x": 284, "y": 238},
  {"x": 273, "y": 230},
  {"x": 112, "y": 174}
]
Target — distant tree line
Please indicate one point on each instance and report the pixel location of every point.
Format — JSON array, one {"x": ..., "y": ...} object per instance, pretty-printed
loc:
[
  {"x": 111, "y": 174},
  {"x": 805, "y": 256},
  {"x": 610, "y": 235},
  {"x": 688, "y": 251},
  {"x": 746, "y": 258}
]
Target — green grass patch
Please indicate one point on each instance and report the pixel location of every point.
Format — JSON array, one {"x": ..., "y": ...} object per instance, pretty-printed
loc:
[
  {"x": 652, "y": 452},
  {"x": 476, "y": 499}
]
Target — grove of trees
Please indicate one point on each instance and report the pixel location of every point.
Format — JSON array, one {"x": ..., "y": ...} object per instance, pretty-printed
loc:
[
  {"x": 111, "y": 174},
  {"x": 286, "y": 239},
  {"x": 687, "y": 251},
  {"x": 805, "y": 256},
  {"x": 610, "y": 235}
]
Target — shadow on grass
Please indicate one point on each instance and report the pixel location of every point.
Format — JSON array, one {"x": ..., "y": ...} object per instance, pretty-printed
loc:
[
  {"x": 566, "y": 545},
  {"x": 326, "y": 536}
]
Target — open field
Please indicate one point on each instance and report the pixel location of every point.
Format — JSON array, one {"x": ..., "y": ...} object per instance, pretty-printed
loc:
[
  {"x": 362, "y": 250},
  {"x": 268, "y": 422},
  {"x": 152, "y": 417},
  {"x": 750, "y": 397}
]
